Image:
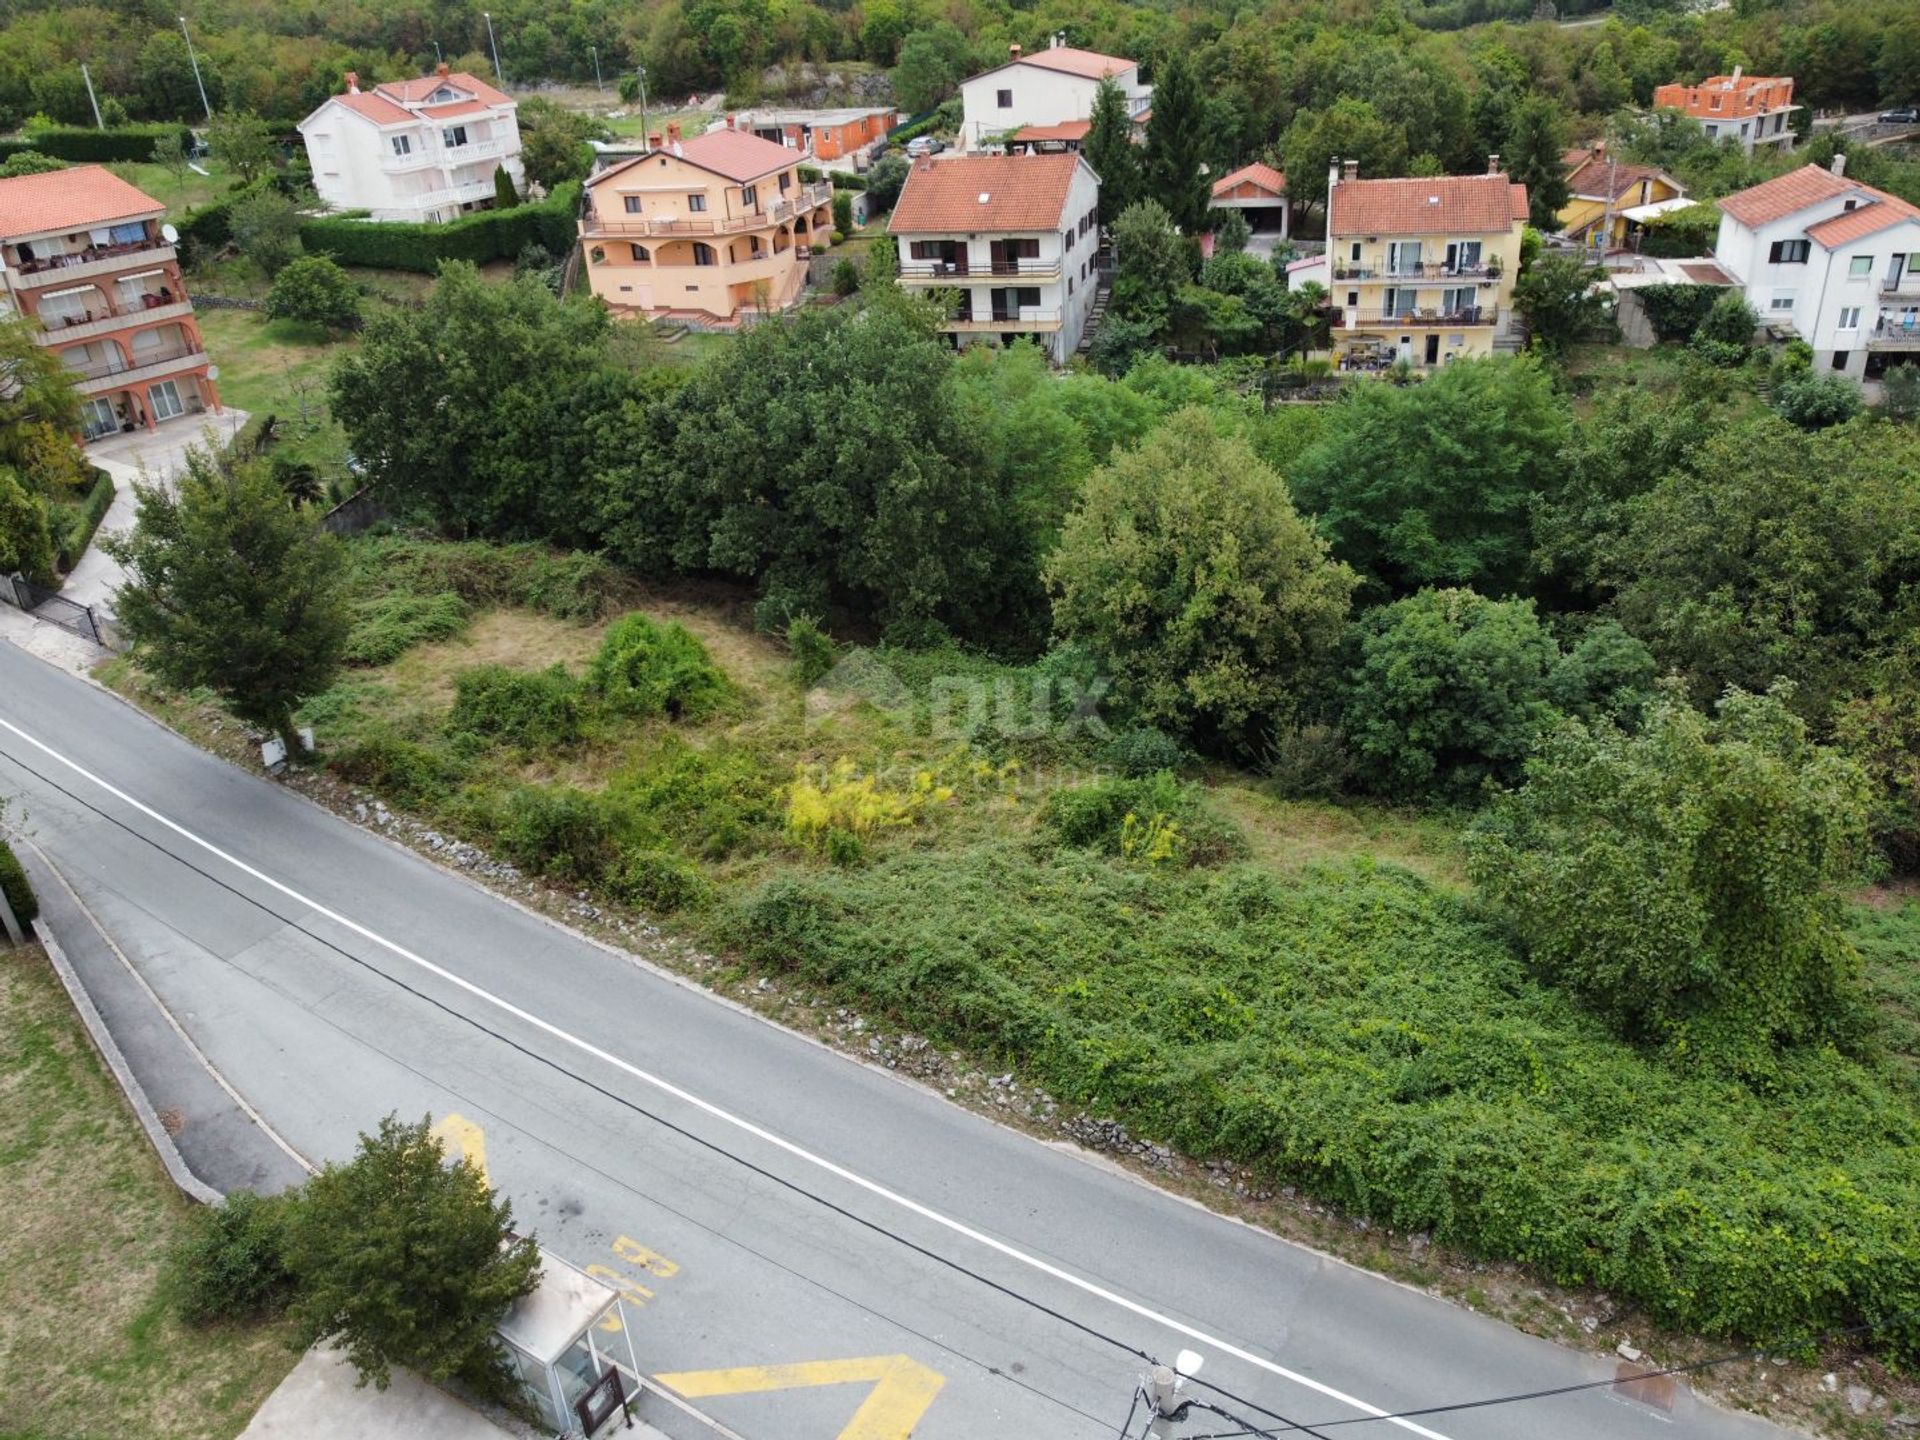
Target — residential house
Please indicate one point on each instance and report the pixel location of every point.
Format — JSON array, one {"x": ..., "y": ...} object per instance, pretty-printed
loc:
[
  {"x": 1049, "y": 139},
  {"x": 92, "y": 269},
  {"x": 1257, "y": 191},
  {"x": 1747, "y": 110},
  {"x": 1835, "y": 261},
  {"x": 713, "y": 227},
  {"x": 823, "y": 134},
  {"x": 1422, "y": 269},
  {"x": 1015, "y": 235},
  {"x": 414, "y": 150},
  {"x": 1043, "y": 88},
  {"x": 1611, "y": 200}
]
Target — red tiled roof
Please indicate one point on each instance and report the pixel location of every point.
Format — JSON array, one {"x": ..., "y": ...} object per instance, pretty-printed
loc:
[
  {"x": 1265, "y": 176},
  {"x": 1065, "y": 130},
  {"x": 1592, "y": 175},
  {"x": 376, "y": 108},
  {"x": 456, "y": 109},
  {"x": 1868, "y": 219},
  {"x": 1090, "y": 64},
  {"x": 1443, "y": 205},
  {"x": 69, "y": 200},
  {"x": 984, "y": 192},
  {"x": 1705, "y": 272},
  {"x": 731, "y": 154},
  {"x": 414, "y": 91},
  {"x": 1781, "y": 196}
]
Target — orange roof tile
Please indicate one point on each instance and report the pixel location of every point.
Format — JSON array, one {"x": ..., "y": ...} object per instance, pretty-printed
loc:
[
  {"x": 985, "y": 192},
  {"x": 1593, "y": 175},
  {"x": 1065, "y": 130},
  {"x": 1090, "y": 64},
  {"x": 1265, "y": 176},
  {"x": 66, "y": 201},
  {"x": 376, "y": 108},
  {"x": 1443, "y": 205},
  {"x": 414, "y": 91},
  {"x": 456, "y": 109},
  {"x": 1868, "y": 219},
  {"x": 1781, "y": 196},
  {"x": 731, "y": 154}
]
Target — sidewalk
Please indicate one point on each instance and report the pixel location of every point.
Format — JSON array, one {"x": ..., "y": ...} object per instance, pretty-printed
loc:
[{"x": 321, "y": 1400}]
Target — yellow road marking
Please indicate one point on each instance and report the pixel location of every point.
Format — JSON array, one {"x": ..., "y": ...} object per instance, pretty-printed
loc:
[
  {"x": 903, "y": 1389},
  {"x": 461, "y": 1135},
  {"x": 652, "y": 1261},
  {"x": 634, "y": 1295}
]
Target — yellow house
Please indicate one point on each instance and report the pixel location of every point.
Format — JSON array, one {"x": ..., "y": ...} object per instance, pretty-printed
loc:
[
  {"x": 1604, "y": 187},
  {"x": 707, "y": 227},
  {"x": 1422, "y": 269}
]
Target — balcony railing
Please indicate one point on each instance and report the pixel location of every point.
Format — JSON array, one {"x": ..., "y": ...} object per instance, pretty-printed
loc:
[
  {"x": 66, "y": 330},
  {"x": 451, "y": 195},
  {"x": 447, "y": 155},
  {"x": 944, "y": 271},
  {"x": 801, "y": 200},
  {"x": 1026, "y": 317},
  {"x": 1425, "y": 270},
  {"x": 94, "y": 260},
  {"x": 1906, "y": 282},
  {"x": 1472, "y": 316},
  {"x": 1891, "y": 334},
  {"x": 146, "y": 365}
]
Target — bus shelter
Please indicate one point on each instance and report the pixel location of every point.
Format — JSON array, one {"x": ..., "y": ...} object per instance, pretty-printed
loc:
[{"x": 571, "y": 1344}]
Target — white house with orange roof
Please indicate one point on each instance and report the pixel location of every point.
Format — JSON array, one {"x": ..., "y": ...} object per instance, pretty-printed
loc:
[
  {"x": 1835, "y": 261},
  {"x": 1044, "y": 88},
  {"x": 1258, "y": 192},
  {"x": 415, "y": 150}
]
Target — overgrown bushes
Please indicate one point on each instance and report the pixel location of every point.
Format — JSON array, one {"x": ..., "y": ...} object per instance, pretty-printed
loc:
[
  {"x": 481, "y": 237},
  {"x": 80, "y": 521},
  {"x": 13, "y": 884},
  {"x": 646, "y": 668},
  {"x": 518, "y": 707}
]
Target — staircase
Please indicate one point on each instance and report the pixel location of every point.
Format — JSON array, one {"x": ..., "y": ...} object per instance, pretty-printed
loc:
[{"x": 1094, "y": 317}]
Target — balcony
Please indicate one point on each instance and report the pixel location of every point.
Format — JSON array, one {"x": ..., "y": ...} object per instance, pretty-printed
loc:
[
  {"x": 802, "y": 200},
  {"x": 97, "y": 260},
  {"x": 122, "y": 317},
  {"x": 1893, "y": 334},
  {"x": 1472, "y": 317},
  {"x": 446, "y": 156},
  {"x": 450, "y": 195},
  {"x": 1907, "y": 282},
  {"x": 1435, "y": 270},
  {"x": 112, "y": 374},
  {"x": 1022, "y": 321},
  {"x": 942, "y": 272}
]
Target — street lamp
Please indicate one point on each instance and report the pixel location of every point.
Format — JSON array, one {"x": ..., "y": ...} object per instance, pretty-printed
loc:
[
  {"x": 194, "y": 60},
  {"x": 492, "y": 45},
  {"x": 598, "y": 83}
]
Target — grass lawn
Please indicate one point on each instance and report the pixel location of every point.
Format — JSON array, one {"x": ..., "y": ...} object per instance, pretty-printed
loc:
[
  {"x": 178, "y": 192},
  {"x": 633, "y": 127},
  {"x": 87, "y": 1346},
  {"x": 280, "y": 367}
]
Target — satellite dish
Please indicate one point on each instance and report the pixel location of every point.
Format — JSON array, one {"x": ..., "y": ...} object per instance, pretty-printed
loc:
[
  {"x": 169, "y": 234},
  {"x": 213, "y": 372}
]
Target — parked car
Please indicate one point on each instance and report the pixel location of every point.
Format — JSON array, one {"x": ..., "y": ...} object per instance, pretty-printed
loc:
[
  {"x": 1906, "y": 115},
  {"x": 925, "y": 145}
]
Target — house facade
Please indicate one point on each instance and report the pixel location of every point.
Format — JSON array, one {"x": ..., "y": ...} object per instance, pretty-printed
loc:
[
  {"x": 415, "y": 150},
  {"x": 1258, "y": 192},
  {"x": 1422, "y": 270},
  {"x": 1046, "y": 87},
  {"x": 1835, "y": 261},
  {"x": 712, "y": 227},
  {"x": 1744, "y": 110},
  {"x": 93, "y": 271},
  {"x": 1610, "y": 200},
  {"x": 823, "y": 134},
  {"x": 1015, "y": 236}
]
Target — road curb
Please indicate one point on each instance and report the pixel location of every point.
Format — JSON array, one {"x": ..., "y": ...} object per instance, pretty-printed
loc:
[{"x": 189, "y": 1184}]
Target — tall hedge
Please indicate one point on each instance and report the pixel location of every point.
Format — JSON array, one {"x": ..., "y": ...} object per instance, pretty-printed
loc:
[
  {"x": 13, "y": 883},
  {"x": 210, "y": 226},
  {"x": 85, "y": 145},
  {"x": 480, "y": 237},
  {"x": 1675, "y": 311}
]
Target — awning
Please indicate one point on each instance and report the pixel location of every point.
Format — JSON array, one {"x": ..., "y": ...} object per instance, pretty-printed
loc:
[
  {"x": 1644, "y": 213},
  {"x": 70, "y": 290},
  {"x": 143, "y": 274}
]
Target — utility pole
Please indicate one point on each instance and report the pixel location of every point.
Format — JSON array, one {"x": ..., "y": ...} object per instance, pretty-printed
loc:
[
  {"x": 98, "y": 123},
  {"x": 438, "y": 58},
  {"x": 1164, "y": 1389},
  {"x": 641, "y": 72},
  {"x": 194, "y": 60},
  {"x": 598, "y": 83},
  {"x": 492, "y": 45}
]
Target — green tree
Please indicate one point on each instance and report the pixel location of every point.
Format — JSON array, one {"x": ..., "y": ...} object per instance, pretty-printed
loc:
[
  {"x": 1730, "y": 321},
  {"x": 1110, "y": 150},
  {"x": 1230, "y": 232},
  {"x": 1536, "y": 142},
  {"x": 885, "y": 181},
  {"x": 266, "y": 229},
  {"x": 629, "y": 89},
  {"x": 843, "y": 211},
  {"x": 1431, "y": 484},
  {"x": 315, "y": 291},
  {"x": 243, "y": 142},
  {"x": 480, "y": 408},
  {"x": 1187, "y": 573},
  {"x": 553, "y": 143},
  {"x": 30, "y": 162},
  {"x": 26, "y": 543},
  {"x": 1774, "y": 553},
  {"x": 403, "y": 1259},
  {"x": 1153, "y": 260},
  {"x": 1347, "y": 130},
  {"x": 1560, "y": 295},
  {"x": 933, "y": 62},
  {"x": 170, "y": 151},
  {"x": 1173, "y": 165},
  {"x": 228, "y": 588},
  {"x": 1685, "y": 880},
  {"x": 505, "y": 197},
  {"x": 38, "y": 396},
  {"x": 164, "y": 82},
  {"x": 1814, "y": 401}
]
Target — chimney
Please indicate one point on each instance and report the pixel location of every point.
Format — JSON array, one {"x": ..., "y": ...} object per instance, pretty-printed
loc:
[
  {"x": 673, "y": 132},
  {"x": 1493, "y": 163},
  {"x": 653, "y": 142},
  {"x": 1350, "y": 170},
  {"x": 1839, "y": 162},
  {"x": 1057, "y": 40},
  {"x": 441, "y": 70},
  {"x": 1735, "y": 84},
  {"x": 353, "y": 82},
  {"x": 1013, "y": 52},
  {"x": 729, "y": 122}
]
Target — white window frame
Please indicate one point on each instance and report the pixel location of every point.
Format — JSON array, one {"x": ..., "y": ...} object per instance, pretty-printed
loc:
[
  {"x": 172, "y": 393},
  {"x": 1860, "y": 267},
  {"x": 1782, "y": 300},
  {"x": 1849, "y": 318},
  {"x": 453, "y": 136},
  {"x": 402, "y": 145}
]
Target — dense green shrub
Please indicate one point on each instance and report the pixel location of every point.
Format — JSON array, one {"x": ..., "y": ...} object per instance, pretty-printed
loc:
[
  {"x": 706, "y": 801},
  {"x": 812, "y": 650},
  {"x": 1364, "y": 1035},
  {"x": 659, "y": 882},
  {"x": 1815, "y": 402},
  {"x": 1126, "y": 817},
  {"x": 647, "y": 668},
  {"x": 1308, "y": 762},
  {"x": 385, "y": 627},
  {"x": 13, "y": 884},
  {"x": 1138, "y": 751},
  {"x": 230, "y": 1262},
  {"x": 315, "y": 291},
  {"x": 554, "y": 830},
  {"x": 520, "y": 707},
  {"x": 403, "y": 770},
  {"x": 566, "y": 584},
  {"x": 1730, "y": 320},
  {"x": 84, "y": 144},
  {"x": 209, "y": 227},
  {"x": 80, "y": 521},
  {"x": 26, "y": 538},
  {"x": 1676, "y": 311},
  {"x": 481, "y": 237}
]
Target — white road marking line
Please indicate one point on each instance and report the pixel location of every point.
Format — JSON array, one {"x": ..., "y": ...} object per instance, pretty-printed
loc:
[{"x": 727, "y": 1117}]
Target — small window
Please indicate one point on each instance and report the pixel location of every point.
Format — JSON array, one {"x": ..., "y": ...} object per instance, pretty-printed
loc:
[
  {"x": 1353, "y": 299},
  {"x": 702, "y": 255},
  {"x": 696, "y": 203},
  {"x": 632, "y": 203},
  {"x": 750, "y": 195},
  {"x": 454, "y": 136},
  {"x": 1355, "y": 253},
  {"x": 1789, "y": 252},
  {"x": 1069, "y": 285},
  {"x": 640, "y": 254},
  {"x": 1850, "y": 317},
  {"x": 1840, "y": 358},
  {"x": 786, "y": 181},
  {"x": 1004, "y": 99},
  {"x": 1860, "y": 266},
  {"x": 1782, "y": 300},
  {"x": 402, "y": 145}
]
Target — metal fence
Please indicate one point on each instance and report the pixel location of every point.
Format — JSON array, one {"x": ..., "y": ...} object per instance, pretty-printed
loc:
[{"x": 55, "y": 608}]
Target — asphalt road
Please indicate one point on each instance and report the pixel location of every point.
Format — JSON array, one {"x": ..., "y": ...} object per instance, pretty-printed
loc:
[{"x": 764, "y": 1200}]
